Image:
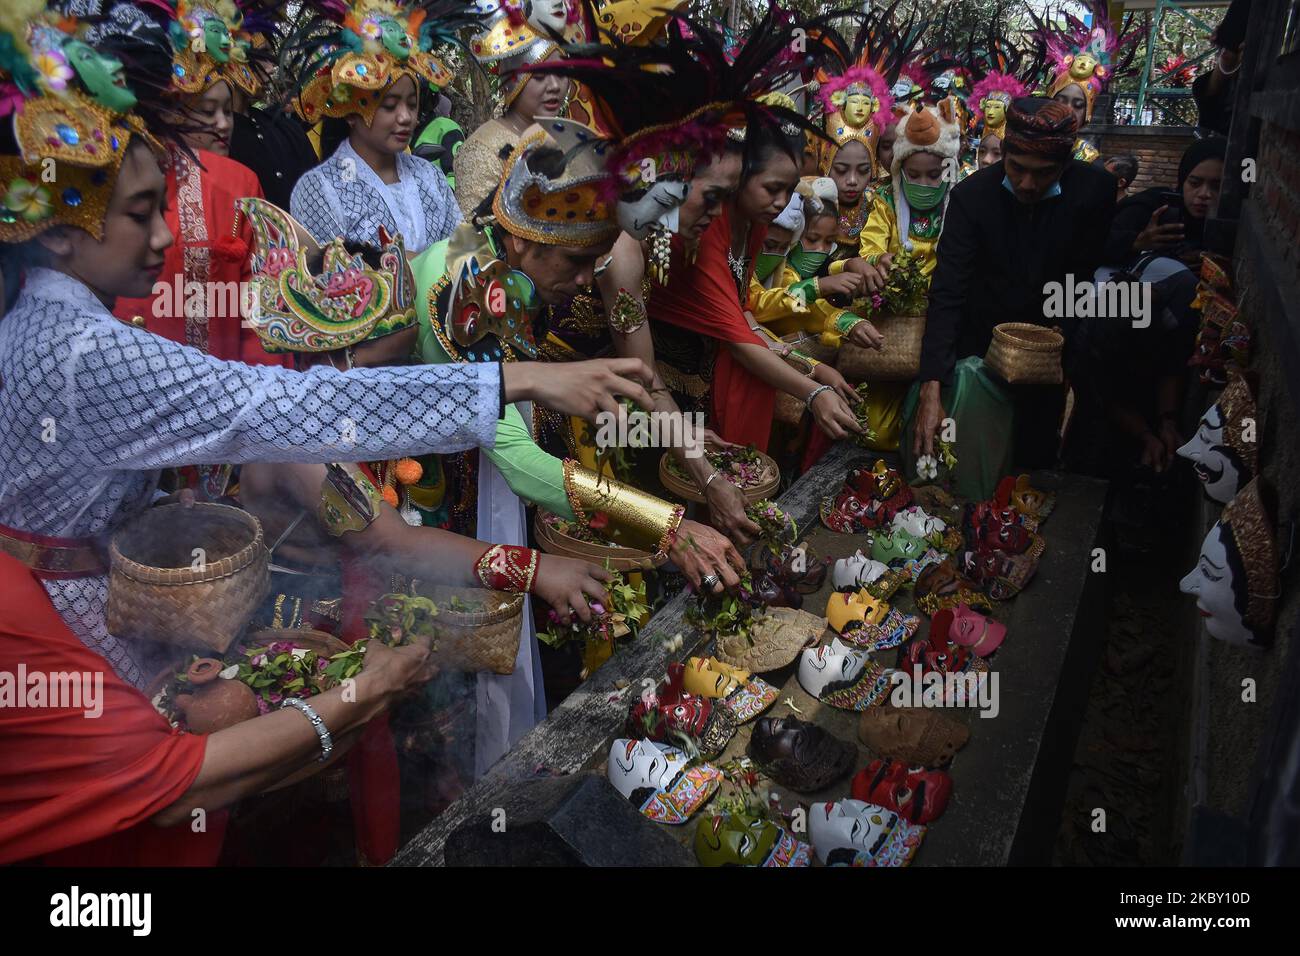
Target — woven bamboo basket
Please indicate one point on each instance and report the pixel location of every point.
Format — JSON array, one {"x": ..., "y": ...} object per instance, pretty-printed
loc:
[
  {"x": 1026, "y": 354},
  {"x": 899, "y": 360},
  {"x": 790, "y": 409},
  {"x": 158, "y": 590},
  {"x": 554, "y": 541},
  {"x": 688, "y": 490},
  {"x": 476, "y": 641}
]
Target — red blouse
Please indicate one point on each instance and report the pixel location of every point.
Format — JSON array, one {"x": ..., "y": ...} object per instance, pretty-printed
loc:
[
  {"x": 209, "y": 251},
  {"x": 703, "y": 297}
]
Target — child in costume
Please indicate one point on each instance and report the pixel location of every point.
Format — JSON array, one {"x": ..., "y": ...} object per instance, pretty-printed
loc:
[
  {"x": 786, "y": 294},
  {"x": 907, "y": 217},
  {"x": 365, "y": 62},
  {"x": 210, "y": 58},
  {"x": 1084, "y": 59}
]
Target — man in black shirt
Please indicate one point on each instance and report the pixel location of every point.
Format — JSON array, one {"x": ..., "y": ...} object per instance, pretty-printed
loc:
[{"x": 1035, "y": 217}]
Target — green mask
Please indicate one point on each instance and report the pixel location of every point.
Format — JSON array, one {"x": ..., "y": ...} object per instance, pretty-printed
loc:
[
  {"x": 765, "y": 263},
  {"x": 734, "y": 840},
  {"x": 924, "y": 198},
  {"x": 806, "y": 263},
  {"x": 216, "y": 40},
  {"x": 100, "y": 75},
  {"x": 394, "y": 38},
  {"x": 896, "y": 547}
]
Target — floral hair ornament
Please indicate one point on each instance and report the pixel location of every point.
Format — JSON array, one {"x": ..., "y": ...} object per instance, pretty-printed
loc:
[
  {"x": 1089, "y": 57},
  {"x": 300, "y": 307},
  {"x": 345, "y": 55},
  {"x": 73, "y": 122}
]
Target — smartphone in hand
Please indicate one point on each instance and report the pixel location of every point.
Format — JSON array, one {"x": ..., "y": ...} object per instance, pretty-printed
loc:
[{"x": 1174, "y": 214}]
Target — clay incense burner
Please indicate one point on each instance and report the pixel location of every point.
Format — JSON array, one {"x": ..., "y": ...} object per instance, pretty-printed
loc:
[{"x": 214, "y": 704}]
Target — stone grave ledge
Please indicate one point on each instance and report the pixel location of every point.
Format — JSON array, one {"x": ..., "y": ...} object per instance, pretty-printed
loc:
[{"x": 1009, "y": 781}]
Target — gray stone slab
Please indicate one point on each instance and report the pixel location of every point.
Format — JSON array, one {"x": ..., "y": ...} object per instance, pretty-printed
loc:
[{"x": 563, "y": 821}]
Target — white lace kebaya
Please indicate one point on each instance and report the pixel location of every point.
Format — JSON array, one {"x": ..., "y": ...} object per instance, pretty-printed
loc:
[
  {"x": 344, "y": 197},
  {"x": 91, "y": 409}
]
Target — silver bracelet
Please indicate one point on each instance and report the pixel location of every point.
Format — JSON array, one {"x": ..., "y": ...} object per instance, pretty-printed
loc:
[
  {"x": 709, "y": 480},
  {"x": 318, "y": 725},
  {"x": 813, "y": 395}
]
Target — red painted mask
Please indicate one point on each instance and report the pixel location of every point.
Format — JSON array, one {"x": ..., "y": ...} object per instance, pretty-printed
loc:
[{"x": 918, "y": 796}]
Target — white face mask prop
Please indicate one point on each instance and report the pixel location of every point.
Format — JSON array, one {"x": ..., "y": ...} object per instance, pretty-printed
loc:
[
  {"x": 918, "y": 524},
  {"x": 547, "y": 15},
  {"x": 656, "y": 779},
  {"x": 658, "y": 205},
  {"x": 831, "y": 663},
  {"x": 1224, "y": 452},
  {"x": 854, "y": 833},
  {"x": 856, "y": 571},
  {"x": 1235, "y": 581}
]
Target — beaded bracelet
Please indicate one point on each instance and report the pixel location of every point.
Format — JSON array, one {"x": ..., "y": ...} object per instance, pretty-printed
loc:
[{"x": 317, "y": 724}]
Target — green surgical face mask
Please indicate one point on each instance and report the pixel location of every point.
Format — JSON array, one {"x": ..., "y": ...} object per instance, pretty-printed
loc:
[
  {"x": 806, "y": 263},
  {"x": 923, "y": 198},
  {"x": 765, "y": 263}
]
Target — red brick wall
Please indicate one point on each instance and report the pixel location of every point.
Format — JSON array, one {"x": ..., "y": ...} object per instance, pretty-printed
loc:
[{"x": 1158, "y": 154}]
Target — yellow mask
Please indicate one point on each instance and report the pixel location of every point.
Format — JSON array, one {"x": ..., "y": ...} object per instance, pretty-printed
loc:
[
  {"x": 706, "y": 677},
  {"x": 1082, "y": 67},
  {"x": 842, "y": 609},
  {"x": 995, "y": 112},
  {"x": 858, "y": 109}
]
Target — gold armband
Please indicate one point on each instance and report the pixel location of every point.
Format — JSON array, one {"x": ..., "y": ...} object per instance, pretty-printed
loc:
[
  {"x": 348, "y": 500},
  {"x": 644, "y": 521}
]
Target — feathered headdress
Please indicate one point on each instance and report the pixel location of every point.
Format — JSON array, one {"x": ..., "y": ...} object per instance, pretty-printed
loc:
[
  {"x": 883, "y": 64},
  {"x": 668, "y": 107},
  {"x": 674, "y": 103},
  {"x": 342, "y": 56},
  {"x": 1002, "y": 72},
  {"x": 210, "y": 43},
  {"x": 1087, "y": 56},
  {"x": 74, "y": 115}
]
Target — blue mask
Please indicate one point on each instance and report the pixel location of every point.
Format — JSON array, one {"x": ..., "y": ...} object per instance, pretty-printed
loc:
[{"x": 1054, "y": 191}]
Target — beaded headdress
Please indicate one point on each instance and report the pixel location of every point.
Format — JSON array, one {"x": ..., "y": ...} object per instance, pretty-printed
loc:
[
  {"x": 1089, "y": 56},
  {"x": 301, "y": 307},
  {"x": 73, "y": 118},
  {"x": 1247, "y": 518},
  {"x": 345, "y": 55}
]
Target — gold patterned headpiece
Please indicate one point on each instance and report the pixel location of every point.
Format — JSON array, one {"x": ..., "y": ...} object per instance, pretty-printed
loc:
[
  {"x": 378, "y": 43},
  {"x": 517, "y": 36},
  {"x": 209, "y": 46},
  {"x": 576, "y": 208},
  {"x": 72, "y": 123},
  {"x": 343, "y": 303}
]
